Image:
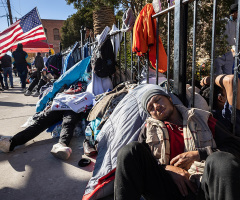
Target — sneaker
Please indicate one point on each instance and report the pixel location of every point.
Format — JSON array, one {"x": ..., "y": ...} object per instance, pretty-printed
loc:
[
  {"x": 61, "y": 151},
  {"x": 88, "y": 148},
  {"x": 36, "y": 94},
  {"x": 28, "y": 93},
  {"x": 5, "y": 144}
]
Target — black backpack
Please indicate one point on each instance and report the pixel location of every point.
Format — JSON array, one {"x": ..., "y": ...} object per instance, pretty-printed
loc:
[{"x": 103, "y": 59}]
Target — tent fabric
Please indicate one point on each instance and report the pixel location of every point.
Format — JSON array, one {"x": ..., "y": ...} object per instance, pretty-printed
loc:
[
  {"x": 68, "y": 78},
  {"x": 37, "y": 46}
]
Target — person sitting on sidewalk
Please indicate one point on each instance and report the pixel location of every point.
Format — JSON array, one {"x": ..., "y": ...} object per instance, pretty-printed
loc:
[
  {"x": 39, "y": 64},
  {"x": 46, "y": 119},
  {"x": 223, "y": 98},
  {"x": 177, "y": 146}
]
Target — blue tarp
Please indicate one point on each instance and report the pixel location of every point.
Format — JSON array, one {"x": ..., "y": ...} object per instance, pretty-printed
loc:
[{"x": 68, "y": 78}]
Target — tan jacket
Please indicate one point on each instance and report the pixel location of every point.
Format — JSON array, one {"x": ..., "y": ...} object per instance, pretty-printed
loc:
[{"x": 196, "y": 133}]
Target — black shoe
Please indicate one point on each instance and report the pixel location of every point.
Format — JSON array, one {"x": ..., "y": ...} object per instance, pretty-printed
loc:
[
  {"x": 12, "y": 86},
  {"x": 1, "y": 89},
  {"x": 6, "y": 88},
  {"x": 89, "y": 148}
]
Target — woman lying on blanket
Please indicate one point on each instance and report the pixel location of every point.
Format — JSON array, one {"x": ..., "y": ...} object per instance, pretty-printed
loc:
[{"x": 74, "y": 95}]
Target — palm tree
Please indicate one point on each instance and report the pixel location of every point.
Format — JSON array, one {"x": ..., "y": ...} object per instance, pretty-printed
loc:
[{"x": 102, "y": 16}]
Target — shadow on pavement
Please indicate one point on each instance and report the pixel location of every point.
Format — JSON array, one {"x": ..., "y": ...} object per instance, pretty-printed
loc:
[
  {"x": 33, "y": 173},
  {"x": 15, "y": 104}
]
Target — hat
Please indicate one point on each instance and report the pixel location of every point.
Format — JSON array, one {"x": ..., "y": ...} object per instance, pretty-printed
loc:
[
  {"x": 128, "y": 20},
  {"x": 233, "y": 8},
  {"x": 149, "y": 94}
]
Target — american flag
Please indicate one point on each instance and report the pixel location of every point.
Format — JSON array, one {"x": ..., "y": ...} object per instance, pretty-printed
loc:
[{"x": 27, "y": 29}]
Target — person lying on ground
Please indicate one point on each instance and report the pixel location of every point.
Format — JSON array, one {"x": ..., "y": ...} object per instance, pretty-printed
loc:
[
  {"x": 176, "y": 147},
  {"x": 46, "y": 119},
  {"x": 223, "y": 98}
]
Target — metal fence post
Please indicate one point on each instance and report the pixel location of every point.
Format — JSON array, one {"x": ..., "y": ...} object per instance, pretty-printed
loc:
[
  {"x": 213, "y": 55},
  {"x": 125, "y": 55},
  {"x": 194, "y": 53},
  {"x": 180, "y": 49},
  {"x": 157, "y": 50},
  {"x": 168, "y": 47},
  {"x": 235, "y": 82},
  {"x": 131, "y": 57}
]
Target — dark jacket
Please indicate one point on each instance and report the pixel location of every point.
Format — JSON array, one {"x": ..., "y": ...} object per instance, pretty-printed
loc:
[
  {"x": 6, "y": 61},
  {"x": 39, "y": 63},
  {"x": 19, "y": 57}
]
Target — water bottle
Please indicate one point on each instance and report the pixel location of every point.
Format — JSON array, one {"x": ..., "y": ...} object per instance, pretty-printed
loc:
[{"x": 89, "y": 133}]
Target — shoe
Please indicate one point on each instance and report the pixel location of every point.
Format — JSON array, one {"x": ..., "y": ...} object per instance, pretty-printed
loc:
[
  {"x": 23, "y": 89},
  {"x": 6, "y": 88},
  {"x": 36, "y": 94},
  {"x": 5, "y": 145},
  {"x": 12, "y": 86},
  {"x": 89, "y": 148},
  {"x": 28, "y": 93},
  {"x": 1, "y": 89},
  {"x": 61, "y": 151}
]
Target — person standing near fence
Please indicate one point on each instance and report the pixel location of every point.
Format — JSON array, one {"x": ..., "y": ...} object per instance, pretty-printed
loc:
[
  {"x": 21, "y": 61},
  {"x": 224, "y": 64},
  {"x": 6, "y": 63}
]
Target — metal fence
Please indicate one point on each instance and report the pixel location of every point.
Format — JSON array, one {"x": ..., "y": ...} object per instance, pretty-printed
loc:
[{"x": 180, "y": 11}]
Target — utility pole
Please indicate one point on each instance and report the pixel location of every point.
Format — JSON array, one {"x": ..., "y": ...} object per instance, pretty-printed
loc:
[{"x": 9, "y": 12}]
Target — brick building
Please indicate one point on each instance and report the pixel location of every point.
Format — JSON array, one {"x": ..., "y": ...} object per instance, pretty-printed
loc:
[{"x": 52, "y": 29}]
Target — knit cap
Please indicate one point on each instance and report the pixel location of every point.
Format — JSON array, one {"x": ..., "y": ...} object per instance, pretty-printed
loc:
[{"x": 149, "y": 94}]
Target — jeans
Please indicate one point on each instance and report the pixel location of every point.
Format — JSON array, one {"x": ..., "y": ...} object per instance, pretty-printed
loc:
[
  {"x": 138, "y": 173},
  {"x": 23, "y": 76},
  {"x": 44, "y": 121},
  {"x": 8, "y": 71},
  {"x": 1, "y": 80}
]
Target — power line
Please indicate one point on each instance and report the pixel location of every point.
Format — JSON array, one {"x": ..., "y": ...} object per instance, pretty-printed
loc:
[
  {"x": 4, "y": 7},
  {"x": 16, "y": 10}
]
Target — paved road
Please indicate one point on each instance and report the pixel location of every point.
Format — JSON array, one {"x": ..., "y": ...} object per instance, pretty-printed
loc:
[{"x": 30, "y": 172}]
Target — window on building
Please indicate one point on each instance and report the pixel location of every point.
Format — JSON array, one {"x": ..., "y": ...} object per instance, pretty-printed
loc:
[{"x": 56, "y": 34}]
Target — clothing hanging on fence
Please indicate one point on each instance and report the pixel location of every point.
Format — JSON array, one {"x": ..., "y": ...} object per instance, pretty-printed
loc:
[
  {"x": 72, "y": 58},
  {"x": 128, "y": 20},
  {"x": 144, "y": 38},
  {"x": 116, "y": 39},
  {"x": 102, "y": 37}
]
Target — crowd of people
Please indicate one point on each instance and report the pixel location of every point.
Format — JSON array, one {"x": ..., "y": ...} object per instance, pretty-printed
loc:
[
  {"x": 181, "y": 152},
  {"x": 19, "y": 64}
]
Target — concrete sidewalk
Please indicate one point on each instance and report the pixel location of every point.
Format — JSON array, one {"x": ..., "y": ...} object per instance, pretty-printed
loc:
[{"x": 30, "y": 172}]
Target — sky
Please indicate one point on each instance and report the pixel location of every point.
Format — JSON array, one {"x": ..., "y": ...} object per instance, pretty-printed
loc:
[{"x": 48, "y": 9}]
